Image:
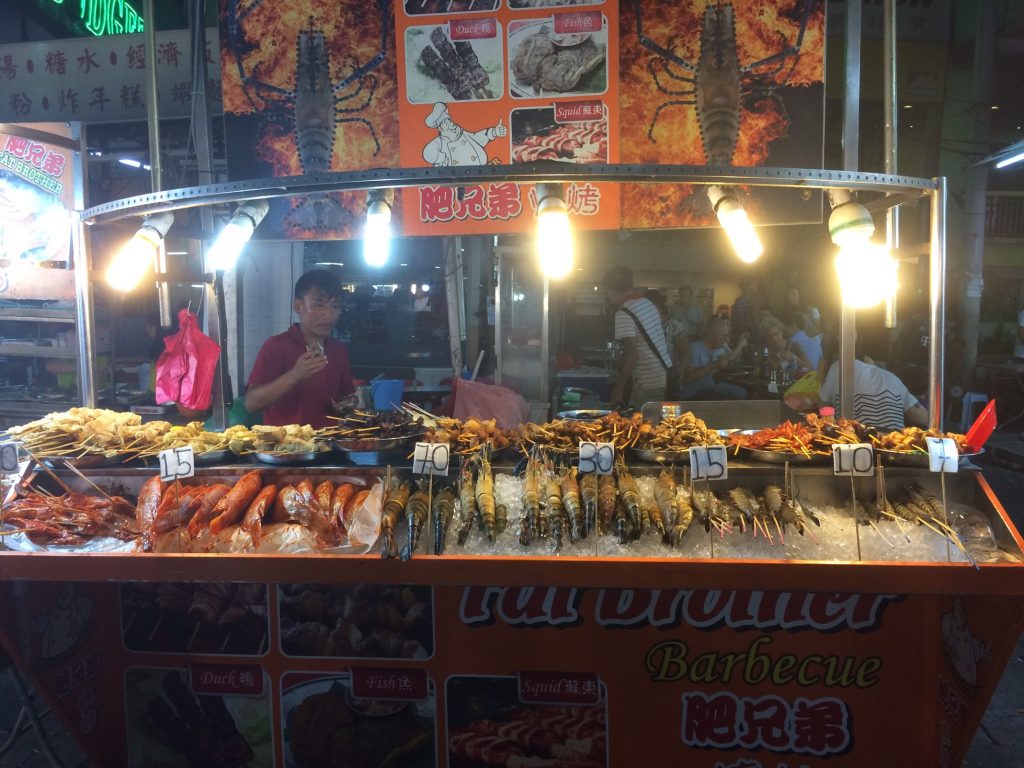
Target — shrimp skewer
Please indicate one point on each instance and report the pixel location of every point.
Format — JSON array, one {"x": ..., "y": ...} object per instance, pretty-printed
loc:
[
  {"x": 588, "y": 495},
  {"x": 555, "y": 511},
  {"x": 606, "y": 497},
  {"x": 416, "y": 509},
  {"x": 571, "y": 502},
  {"x": 529, "y": 525},
  {"x": 630, "y": 495},
  {"x": 467, "y": 500},
  {"x": 444, "y": 510},
  {"x": 485, "y": 496},
  {"x": 394, "y": 506}
]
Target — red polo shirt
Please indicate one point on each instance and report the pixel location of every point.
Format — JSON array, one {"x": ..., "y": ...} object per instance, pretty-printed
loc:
[{"x": 309, "y": 402}]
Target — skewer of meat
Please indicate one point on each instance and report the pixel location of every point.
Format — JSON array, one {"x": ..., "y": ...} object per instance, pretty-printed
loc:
[
  {"x": 457, "y": 86},
  {"x": 478, "y": 77},
  {"x": 451, "y": 57}
]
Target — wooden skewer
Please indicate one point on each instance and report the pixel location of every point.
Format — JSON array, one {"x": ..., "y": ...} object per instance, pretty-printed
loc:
[
  {"x": 103, "y": 493},
  {"x": 50, "y": 472}
]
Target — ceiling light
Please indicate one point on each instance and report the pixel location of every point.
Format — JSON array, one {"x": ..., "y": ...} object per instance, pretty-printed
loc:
[
  {"x": 236, "y": 233},
  {"x": 867, "y": 274},
  {"x": 377, "y": 233},
  {"x": 136, "y": 256},
  {"x": 129, "y": 162},
  {"x": 735, "y": 222},
  {"x": 849, "y": 223},
  {"x": 554, "y": 233},
  {"x": 1010, "y": 160}
]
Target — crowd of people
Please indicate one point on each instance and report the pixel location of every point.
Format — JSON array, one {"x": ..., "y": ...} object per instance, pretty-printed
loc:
[{"x": 675, "y": 350}]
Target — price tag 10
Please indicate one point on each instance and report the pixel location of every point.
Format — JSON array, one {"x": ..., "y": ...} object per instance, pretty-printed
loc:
[
  {"x": 856, "y": 458},
  {"x": 431, "y": 459},
  {"x": 709, "y": 462},
  {"x": 942, "y": 454},
  {"x": 596, "y": 458},
  {"x": 177, "y": 464},
  {"x": 8, "y": 457}
]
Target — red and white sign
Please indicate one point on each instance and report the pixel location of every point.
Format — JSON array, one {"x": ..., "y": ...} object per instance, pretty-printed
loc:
[
  {"x": 473, "y": 29},
  {"x": 579, "y": 111},
  {"x": 227, "y": 679},
  {"x": 576, "y": 23},
  {"x": 559, "y": 688},
  {"x": 377, "y": 683}
]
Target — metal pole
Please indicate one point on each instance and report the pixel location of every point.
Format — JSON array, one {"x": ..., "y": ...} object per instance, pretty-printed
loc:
[
  {"x": 851, "y": 160},
  {"x": 545, "y": 343},
  {"x": 937, "y": 303},
  {"x": 83, "y": 275},
  {"x": 163, "y": 292},
  {"x": 452, "y": 285},
  {"x": 892, "y": 218}
]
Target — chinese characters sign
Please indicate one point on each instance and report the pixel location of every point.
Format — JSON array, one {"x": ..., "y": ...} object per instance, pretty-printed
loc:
[
  {"x": 445, "y": 83},
  {"x": 101, "y": 79}
]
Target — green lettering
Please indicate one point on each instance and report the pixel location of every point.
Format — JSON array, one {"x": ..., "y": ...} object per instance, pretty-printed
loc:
[
  {"x": 667, "y": 661},
  {"x": 801, "y": 675},
  {"x": 763, "y": 663},
  {"x": 843, "y": 679},
  {"x": 729, "y": 661},
  {"x": 703, "y": 669},
  {"x": 867, "y": 675},
  {"x": 784, "y": 667}
]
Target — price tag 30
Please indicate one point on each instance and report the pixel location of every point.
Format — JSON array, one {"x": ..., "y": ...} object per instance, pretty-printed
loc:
[
  {"x": 709, "y": 462},
  {"x": 431, "y": 459},
  {"x": 597, "y": 458},
  {"x": 856, "y": 458},
  {"x": 8, "y": 457},
  {"x": 942, "y": 454},
  {"x": 177, "y": 464}
]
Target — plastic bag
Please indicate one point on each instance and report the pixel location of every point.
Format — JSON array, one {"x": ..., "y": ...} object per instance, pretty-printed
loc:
[
  {"x": 474, "y": 400},
  {"x": 184, "y": 372}
]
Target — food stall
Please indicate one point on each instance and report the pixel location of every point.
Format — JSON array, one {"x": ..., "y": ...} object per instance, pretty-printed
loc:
[{"x": 252, "y": 597}]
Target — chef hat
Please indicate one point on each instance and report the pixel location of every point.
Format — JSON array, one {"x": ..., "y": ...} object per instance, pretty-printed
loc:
[{"x": 437, "y": 114}]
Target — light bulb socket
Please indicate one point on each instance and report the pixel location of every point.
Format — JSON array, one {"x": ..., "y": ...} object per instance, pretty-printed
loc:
[
  {"x": 550, "y": 197},
  {"x": 849, "y": 219},
  {"x": 254, "y": 210},
  {"x": 155, "y": 227},
  {"x": 379, "y": 202},
  {"x": 722, "y": 197}
]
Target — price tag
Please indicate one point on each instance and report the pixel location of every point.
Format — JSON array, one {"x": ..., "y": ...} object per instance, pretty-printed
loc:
[
  {"x": 942, "y": 454},
  {"x": 177, "y": 464},
  {"x": 709, "y": 462},
  {"x": 597, "y": 457},
  {"x": 856, "y": 458},
  {"x": 431, "y": 459},
  {"x": 8, "y": 457}
]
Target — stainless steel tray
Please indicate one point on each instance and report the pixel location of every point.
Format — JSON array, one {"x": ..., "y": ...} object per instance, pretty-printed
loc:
[
  {"x": 374, "y": 444},
  {"x": 661, "y": 457},
  {"x": 215, "y": 457},
  {"x": 83, "y": 462},
  {"x": 918, "y": 459},
  {"x": 287, "y": 459},
  {"x": 583, "y": 414},
  {"x": 777, "y": 457}
]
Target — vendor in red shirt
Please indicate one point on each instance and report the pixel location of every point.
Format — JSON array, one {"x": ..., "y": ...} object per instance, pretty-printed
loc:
[{"x": 301, "y": 373}]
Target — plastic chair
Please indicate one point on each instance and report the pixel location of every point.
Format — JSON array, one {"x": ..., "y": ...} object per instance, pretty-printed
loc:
[{"x": 967, "y": 408}]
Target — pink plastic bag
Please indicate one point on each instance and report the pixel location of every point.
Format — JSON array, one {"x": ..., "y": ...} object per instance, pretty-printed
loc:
[
  {"x": 184, "y": 372},
  {"x": 474, "y": 400}
]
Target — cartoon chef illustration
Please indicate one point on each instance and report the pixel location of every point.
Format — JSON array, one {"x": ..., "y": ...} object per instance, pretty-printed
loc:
[{"x": 454, "y": 145}]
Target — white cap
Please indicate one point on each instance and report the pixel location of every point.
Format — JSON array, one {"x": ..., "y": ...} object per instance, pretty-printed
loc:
[{"x": 437, "y": 114}]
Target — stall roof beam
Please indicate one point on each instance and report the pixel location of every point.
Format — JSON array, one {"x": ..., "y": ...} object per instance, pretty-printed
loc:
[{"x": 526, "y": 173}]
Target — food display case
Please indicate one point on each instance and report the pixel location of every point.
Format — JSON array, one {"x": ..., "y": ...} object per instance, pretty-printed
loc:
[{"x": 775, "y": 632}]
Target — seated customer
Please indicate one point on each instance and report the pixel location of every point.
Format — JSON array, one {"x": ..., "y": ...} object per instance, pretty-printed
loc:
[
  {"x": 708, "y": 356},
  {"x": 880, "y": 399},
  {"x": 781, "y": 353},
  {"x": 806, "y": 340}
]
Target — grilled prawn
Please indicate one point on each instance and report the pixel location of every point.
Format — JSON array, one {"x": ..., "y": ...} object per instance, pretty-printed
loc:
[
  {"x": 467, "y": 501},
  {"x": 485, "y": 496},
  {"x": 394, "y": 506},
  {"x": 555, "y": 511},
  {"x": 571, "y": 502},
  {"x": 530, "y": 524},
  {"x": 588, "y": 495},
  {"x": 607, "y": 493},
  {"x": 630, "y": 495},
  {"x": 444, "y": 510},
  {"x": 416, "y": 509}
]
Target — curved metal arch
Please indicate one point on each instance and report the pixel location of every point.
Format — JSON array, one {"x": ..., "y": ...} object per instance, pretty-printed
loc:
[{"x": 529, "y": 173}]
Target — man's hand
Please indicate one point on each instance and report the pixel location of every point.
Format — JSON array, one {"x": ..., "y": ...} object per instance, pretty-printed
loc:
[
  {"x": 500, "y": 131},
  {"x": 309, "y": 364}
]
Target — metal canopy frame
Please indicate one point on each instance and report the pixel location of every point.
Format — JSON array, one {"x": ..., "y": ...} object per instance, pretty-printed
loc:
[{"x": 896, "y": 189}]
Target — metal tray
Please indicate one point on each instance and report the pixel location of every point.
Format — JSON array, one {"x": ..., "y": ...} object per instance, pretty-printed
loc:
[
  {"x": 777, "y": 457},
  {"x": 287, "y": 459},
  {"x": 215, "y": 457},
  {"x": 661, "y": 457},
  {"x": 583, "y": 414},
  {"x": 918, "y": 459},
  {"x": 83, "y": 462},
  {"x": 375, "y": 444}
]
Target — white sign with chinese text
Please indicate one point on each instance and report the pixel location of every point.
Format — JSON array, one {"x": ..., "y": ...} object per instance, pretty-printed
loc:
[{"x": 101, "y": 79}]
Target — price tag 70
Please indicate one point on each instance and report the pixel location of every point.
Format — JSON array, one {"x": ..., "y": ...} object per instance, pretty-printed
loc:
[
  {"x": 709, "y": 462},
  {"x": 8, "y": 457},
  {"x": 942, "y": 454},
  {"x": 597, "y": 457},
  {"x": 856, "y": 458},
  {"x": 177, "y": 464},
  {"x": 431, "y": 459}
]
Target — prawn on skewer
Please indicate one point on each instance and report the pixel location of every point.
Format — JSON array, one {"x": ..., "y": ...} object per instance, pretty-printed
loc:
[
  {"x": 555, "y": 511},
  {"x": 394, "y": 506},
  {"x": 607, "y": 493},
  {"x": 444, "y": 510},
  {"x": 530, "y": 523},
  {"x": 416, "y": 509},
  {"x": 574, "y": 509},
  {"x": 467, "y": 502},
  {"x": 588, "y": 496},
  {"x": 485, "y": 496}
]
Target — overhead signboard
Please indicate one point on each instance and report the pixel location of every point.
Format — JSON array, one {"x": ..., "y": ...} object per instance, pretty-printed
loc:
[
  {"x": 440, "y": 83},
  {"x": 99, "y": 80}
]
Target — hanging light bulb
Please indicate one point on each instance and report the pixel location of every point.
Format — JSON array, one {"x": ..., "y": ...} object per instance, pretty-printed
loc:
[
  {"x": 377, "y": 234},
  {"x": 236, "y": 233},
  {"x": 849, "y": 224},
  {"x": 867, "y": 274},
  {"x": 734, "y": 221},
  {"x": 136, "y": 256},
  {"x": 554, "y": 233}
]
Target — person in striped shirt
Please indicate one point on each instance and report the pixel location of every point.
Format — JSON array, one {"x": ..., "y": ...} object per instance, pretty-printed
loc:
[{"x": 642, "y": 372}]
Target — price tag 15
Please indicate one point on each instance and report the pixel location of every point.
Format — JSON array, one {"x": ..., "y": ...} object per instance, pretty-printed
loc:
[
  {"x": 177, "y": 464},
  {"x": 942, "y": 454},
  {"x": 431, "y": 459},
  {"x": 597, "y": 457},
  {"x": 8, "y": 457},
  {"x": 855, "y": 458},
  {"x": 709, "y": 462}
]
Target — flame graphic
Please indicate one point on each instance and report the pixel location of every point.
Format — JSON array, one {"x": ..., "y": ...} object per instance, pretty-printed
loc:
[
  {"x": 761, "y": 25},
  {"x": 352, "y": 29}
]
